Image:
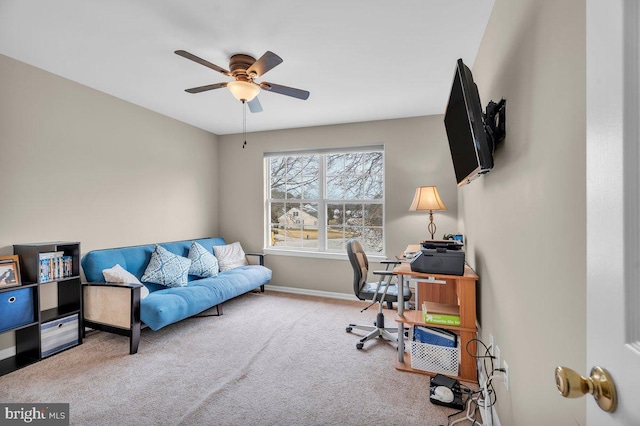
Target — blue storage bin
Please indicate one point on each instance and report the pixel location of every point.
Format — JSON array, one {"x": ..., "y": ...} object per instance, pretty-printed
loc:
[{"x": 16, "y": 308}]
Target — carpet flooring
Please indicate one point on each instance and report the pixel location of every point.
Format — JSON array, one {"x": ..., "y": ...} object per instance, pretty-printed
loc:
[{"x": 271, "y": 359}]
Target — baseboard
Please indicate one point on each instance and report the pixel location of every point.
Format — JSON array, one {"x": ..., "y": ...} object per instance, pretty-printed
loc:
[
  {"x": 489, "y": 415},
  {"x": 307, "y": 292},
  {"x": 8, "y": 352}
]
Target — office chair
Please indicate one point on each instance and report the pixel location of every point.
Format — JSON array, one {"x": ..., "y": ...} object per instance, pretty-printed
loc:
[{"x": 378, "y": 292}]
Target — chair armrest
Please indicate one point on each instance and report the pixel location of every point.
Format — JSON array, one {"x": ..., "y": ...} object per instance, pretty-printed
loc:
[
  {"x": 114, "y": 304},
  {"x": 389, "y": 263},
  {"x": 385, "y": 273},
  {"x": 260, "y": 255},
  {"x": 126, "y": 285}
]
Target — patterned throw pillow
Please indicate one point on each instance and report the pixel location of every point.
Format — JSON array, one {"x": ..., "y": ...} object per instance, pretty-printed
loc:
[
  {"x": 203, "y": 262},
  {"x": 117, "y": 274},
  {"x": 230, "y": 256},
  {"x": 167, "y": 269}
]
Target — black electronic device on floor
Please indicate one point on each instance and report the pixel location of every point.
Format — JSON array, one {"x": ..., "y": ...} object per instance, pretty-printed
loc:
[{"x": 445, "y": 391}]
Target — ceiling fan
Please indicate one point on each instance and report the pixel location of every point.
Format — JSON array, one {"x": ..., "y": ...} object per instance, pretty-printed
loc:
[{"x": 244, "y": 69}]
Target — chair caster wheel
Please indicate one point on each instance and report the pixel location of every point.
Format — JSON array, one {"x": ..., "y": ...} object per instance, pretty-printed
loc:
[
  {"x": 349, "y": 329},
  {"x": 359, "y": 345}
]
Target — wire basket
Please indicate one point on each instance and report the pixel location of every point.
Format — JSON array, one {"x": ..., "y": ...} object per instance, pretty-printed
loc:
[{"x": 436, "y": 359}]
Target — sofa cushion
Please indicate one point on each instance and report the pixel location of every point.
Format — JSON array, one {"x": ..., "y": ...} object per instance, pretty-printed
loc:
[
  {"x": 203, "y": 262},
  {"x": 118, "y": 274},
  {"x": 170, "y": 305},
  {"x": 167, "y": 269},
  {"x": 230, "y": 256}
]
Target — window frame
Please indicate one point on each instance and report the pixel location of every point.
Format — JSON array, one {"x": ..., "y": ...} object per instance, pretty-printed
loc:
[{"x": 323, "y": 202}]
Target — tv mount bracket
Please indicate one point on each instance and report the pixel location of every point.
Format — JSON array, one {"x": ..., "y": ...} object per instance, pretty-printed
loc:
[{"x": 495, "y": 122}]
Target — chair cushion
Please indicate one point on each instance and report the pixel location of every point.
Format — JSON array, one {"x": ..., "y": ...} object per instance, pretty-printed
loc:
[
  {"x": 362, "y": 263},
  {"x": 369, "y": 289}
]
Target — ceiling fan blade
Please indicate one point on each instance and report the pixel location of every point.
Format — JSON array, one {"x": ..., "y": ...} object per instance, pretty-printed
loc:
[
  {"x": 207, "y": 87},
  {"x": 254, "y": 105},
  {"x": 266, "y": 62},
  {"x": 201, "y": 61},
  {"x": 284, "y": 90}
]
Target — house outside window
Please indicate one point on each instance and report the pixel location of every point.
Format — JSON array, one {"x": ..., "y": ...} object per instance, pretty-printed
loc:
[{"x": 318, "y": 200}]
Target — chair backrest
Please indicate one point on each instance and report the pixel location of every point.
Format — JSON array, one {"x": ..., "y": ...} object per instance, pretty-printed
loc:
[{"x": 360, "y": 264}]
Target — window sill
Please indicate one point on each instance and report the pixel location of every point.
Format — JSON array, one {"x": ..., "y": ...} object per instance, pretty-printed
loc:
[{"x": 319, "y": 254}]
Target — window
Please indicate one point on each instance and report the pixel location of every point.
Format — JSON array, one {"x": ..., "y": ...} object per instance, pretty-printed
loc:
[{"x": 317, "y": 201}]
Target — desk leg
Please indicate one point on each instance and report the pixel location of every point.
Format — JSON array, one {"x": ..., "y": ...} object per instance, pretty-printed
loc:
[
  {"x": 401, "y": 342},
  {"x": 400, "y": 295},
  {"x": 468, "y": 366},
  {"x": 400, "y": 314}
]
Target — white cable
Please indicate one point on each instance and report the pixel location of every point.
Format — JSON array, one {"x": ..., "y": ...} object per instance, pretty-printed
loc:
[
  {"x": 477, "y": 400},
  {"x": 467, "y": 416},
  {"x": 487, "y": 396},
  {"x": 486, "y": 391}
]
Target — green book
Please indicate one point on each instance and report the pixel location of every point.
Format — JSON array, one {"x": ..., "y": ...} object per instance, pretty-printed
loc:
[{"x": 441, "y": 319}]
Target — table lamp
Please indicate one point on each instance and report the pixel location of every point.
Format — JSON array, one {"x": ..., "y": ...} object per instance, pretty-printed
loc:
[{"x": 427, "y": 198}]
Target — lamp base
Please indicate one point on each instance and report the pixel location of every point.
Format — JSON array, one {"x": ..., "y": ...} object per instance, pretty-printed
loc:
[{"x": 432, "y": 226}]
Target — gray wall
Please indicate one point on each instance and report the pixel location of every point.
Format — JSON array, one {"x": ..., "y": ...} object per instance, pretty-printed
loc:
[
  {"x": 109, "y": 173},
  {"x": 525, "y": 221},
  {"x": 84, "y": 166},
  {"x": 416, "y": 153}
]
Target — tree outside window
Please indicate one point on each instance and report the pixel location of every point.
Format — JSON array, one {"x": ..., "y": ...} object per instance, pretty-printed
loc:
[{"x": 318, "y": 201}]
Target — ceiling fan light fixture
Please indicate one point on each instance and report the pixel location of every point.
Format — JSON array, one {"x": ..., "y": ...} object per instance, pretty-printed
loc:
[{"x": 243, "y": 90}]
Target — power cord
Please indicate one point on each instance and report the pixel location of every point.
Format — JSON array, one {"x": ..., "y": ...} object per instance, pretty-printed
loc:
[{"x": 482, "y": 398}]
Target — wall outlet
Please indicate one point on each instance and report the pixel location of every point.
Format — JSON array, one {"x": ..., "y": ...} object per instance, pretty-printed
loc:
[
  {"x": 506, "y": 374},
  {"x": 496, "y": 355}
]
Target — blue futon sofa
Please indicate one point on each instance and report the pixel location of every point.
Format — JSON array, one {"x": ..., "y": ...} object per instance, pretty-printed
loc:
[{"x": 167, "y": 305}]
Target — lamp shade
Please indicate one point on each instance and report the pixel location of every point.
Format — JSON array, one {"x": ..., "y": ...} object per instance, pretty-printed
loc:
[
  {"x": 426, "y": 198},
  {"x": 243, "y": 90}
]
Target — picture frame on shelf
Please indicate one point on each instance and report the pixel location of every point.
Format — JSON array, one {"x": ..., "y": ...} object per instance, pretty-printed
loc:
[{"x": 9, "y": 271}]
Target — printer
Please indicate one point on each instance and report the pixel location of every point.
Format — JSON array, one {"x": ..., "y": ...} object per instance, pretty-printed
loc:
[{"x": 439, "y": 259}]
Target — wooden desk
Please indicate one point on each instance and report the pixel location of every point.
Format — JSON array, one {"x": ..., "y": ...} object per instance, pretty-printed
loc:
[{"x": 459, "y": 291}]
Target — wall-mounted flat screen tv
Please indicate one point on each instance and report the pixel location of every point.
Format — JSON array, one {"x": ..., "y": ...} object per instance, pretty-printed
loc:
[{"x": 471, "y": 148}]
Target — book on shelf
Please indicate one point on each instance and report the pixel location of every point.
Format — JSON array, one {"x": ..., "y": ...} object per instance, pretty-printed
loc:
[
  {"x": 439, "y": 319},
  {"x": 54, "y": 265},
  {"x": 439, "y": 314},
  {"x": 440, "y": 308},
  {"x": 435, "y": 336}
]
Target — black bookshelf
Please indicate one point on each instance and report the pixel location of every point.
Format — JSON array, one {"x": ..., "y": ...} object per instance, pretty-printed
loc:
[{"x": 28, "y": 337}]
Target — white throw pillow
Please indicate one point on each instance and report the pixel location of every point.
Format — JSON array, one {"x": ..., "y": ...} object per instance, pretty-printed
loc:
[
  {"x": 118, "y": 274},
  {"x": 230, "y": 256}
]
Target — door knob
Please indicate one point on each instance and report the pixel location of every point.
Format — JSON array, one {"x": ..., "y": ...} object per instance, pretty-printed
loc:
[{"x": 599, "y": 384}]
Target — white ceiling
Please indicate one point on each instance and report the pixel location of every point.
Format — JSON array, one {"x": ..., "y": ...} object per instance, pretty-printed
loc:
[{"x": 361, "y": 60}]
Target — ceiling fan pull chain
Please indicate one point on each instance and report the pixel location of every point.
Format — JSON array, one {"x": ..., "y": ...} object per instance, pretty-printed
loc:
[{"x": 244, "y": 123}]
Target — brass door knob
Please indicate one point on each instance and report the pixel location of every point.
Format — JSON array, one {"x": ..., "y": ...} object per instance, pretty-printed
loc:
[{"x": 599, "y": 384}]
